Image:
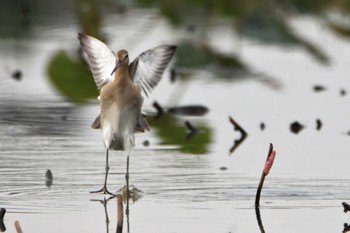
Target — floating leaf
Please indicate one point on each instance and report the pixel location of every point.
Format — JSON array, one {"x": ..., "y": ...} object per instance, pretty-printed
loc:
[
  {"x": 72, "y": 78},
  {"x": 172, "y": 132}
]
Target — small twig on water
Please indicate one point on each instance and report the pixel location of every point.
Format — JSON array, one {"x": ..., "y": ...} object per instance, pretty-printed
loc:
[
  {"x": 120, "y": 213},
  {"x": 18, "y": 227},
  {"x": 268, "y": 164},
  {"x": 160, "y": 111},
  {"x": 192, "y": 129},
  {"x": 244, "y": 135}
]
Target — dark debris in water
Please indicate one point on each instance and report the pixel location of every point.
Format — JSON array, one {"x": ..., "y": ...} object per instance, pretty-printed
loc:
[
  {"x": 346, "y": 227},
  {"x": 262, "y": 126},
  {"x": 346, "y": 207},
  {"x": 17, "y": 75},
  {"x": 239, "y": 141},
  {"x": 296, "y": 127},
  {"x": 342, "y": 92},
  {"x": 49, "y": 178},
  {"x": 319, "y": 88},
  {"x": 191, "y": 110},
  {"x": 146, "y": 143},
  {"x": 318, "y": 124}
]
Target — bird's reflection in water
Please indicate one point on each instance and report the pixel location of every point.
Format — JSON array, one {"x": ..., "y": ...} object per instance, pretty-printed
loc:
[
  {"x": 104, "y": 202},
  {"x": 124, "y": 197}
]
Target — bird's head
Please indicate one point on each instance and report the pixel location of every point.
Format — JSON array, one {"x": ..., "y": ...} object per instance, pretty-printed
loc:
[{"x": 122, "y": 59}]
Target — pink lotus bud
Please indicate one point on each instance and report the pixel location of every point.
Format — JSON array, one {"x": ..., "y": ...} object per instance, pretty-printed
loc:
[{"x": 269, "y": 163}]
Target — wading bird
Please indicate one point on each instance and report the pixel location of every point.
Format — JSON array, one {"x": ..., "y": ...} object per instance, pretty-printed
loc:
[{"x": 120, "y": 85}]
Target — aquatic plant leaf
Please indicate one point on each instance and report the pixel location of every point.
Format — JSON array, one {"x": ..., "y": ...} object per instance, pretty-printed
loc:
[
  {"x": 172, "y": 132},
  {"x": 72, "y": 78}
]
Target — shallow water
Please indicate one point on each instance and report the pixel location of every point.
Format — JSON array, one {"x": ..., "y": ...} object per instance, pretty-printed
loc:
[{"x": 181, "y": 192}]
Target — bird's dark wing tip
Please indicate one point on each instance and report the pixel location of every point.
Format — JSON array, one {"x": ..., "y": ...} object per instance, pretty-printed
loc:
[
  {"x": 81, "y": 36},
  {"x": 170, "y": 48},
  {"x": 173, "y": 47}
]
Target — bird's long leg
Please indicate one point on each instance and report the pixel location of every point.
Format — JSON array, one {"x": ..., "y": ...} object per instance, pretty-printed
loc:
[
  {"x": 104, "y": 189},
  {"x": 127, "y": 182},
  {"x": 127, "y": 171},
  {"x": 106, "y": 173}
]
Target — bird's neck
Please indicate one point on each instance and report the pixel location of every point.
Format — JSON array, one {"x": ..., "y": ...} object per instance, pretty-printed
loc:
[{"x": 122, "y": 74}]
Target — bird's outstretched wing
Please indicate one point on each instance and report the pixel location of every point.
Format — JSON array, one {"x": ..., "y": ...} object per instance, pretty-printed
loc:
[
  {"x": 147, "y": 69},
  {"x": 101, "y": 59}
]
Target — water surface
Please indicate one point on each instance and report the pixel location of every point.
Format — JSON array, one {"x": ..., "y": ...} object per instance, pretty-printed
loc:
[{"x": 181, "y": 192}]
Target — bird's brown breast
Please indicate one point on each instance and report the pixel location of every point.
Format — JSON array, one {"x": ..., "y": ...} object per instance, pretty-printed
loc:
[{"x": 121, "y": 91}]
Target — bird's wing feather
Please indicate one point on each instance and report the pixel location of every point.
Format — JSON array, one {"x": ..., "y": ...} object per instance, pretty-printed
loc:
[
  {"x": 101, "y": 58},
  {"x": 147, "y": 69}
]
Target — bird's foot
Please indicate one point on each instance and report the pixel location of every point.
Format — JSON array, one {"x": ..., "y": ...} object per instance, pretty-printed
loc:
[{"x": 103, "y": 190}]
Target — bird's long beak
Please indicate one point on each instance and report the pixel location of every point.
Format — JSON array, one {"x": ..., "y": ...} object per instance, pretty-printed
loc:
[{"x": 116, "y": 67}]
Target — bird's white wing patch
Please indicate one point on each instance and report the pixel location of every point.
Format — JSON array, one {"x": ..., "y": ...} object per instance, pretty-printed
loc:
[{"x": 101, "y": 58}]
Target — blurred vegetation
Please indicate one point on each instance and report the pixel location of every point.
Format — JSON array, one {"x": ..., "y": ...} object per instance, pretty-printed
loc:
[
  {"x": 89, "y": 18},
  {"x": 189, "y": 55},
  {"x": 263, "y": 20},
  {"x": 340, "y": 30}
]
